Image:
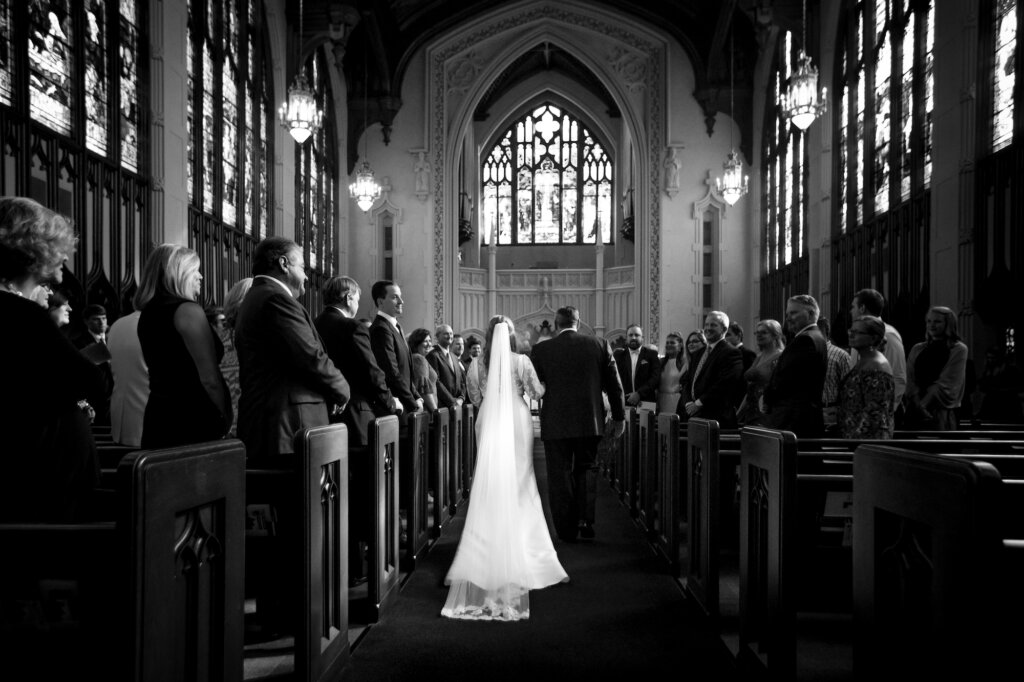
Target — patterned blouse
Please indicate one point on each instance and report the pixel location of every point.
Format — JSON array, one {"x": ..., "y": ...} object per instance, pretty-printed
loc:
[{"x": 866, "y": 404}]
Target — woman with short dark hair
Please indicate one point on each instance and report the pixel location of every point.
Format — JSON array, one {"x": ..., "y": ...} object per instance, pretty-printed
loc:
[{"x": 424, "y": 377}]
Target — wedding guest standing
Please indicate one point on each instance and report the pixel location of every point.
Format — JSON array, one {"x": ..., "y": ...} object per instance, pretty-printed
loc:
[
  {"x": 868, "y": 391},
  {"x": 226, "y": 332},
  {"x": 131, "y": 380},
  {"x": 188, "y": 399},
  {"x": 768, "y": 336},
  {"x": 792, "y": 399},
  {"x": 696, "y": 342},
  {"x": 673, "y": 366},
  {"x": 49, "y": 458},
  {"x": 424, "y": 378},
  {"x": 936, "y": 371}
]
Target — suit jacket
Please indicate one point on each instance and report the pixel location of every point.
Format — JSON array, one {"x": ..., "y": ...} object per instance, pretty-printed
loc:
[
  {"x": 716, "y": 385},
  {"x": 347, "y": 343},
  {"x": 451, "y": 383},
  {"x": 575, "y": 368},
  {"x": 286, "y": 377},
  {"x": 648, "y": 372},
  {"x": 392, "y": 354},
  {"x": 793, "y": 395}
]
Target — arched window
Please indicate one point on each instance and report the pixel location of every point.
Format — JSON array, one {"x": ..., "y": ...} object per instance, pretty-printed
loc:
[
  {"x": 73, "y": 78},
  {"x": 884, "y": 105},
  {"x": 784, "y": 197},
  {"x": 316, "y": 178},
  {"x": 1003, "y": 74},
  {"x": 230, "y": 134},
  {"x": 548, "y": 180}
]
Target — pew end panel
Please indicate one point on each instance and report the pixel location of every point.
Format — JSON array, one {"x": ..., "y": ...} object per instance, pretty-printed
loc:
[
  {"x": 438, "y": 481},
  {"x": 468, "y": 464},
  {"x": 414, "y": 471},
  {"x": 384, "y": 549},
  {"x": 925, "y": 546},
  {"x": 702, "y": 468},
  {"x": 453, "y": 472},
  {"x": 670, "y": 469},
  {"x": 767, "y": 629},
  {"x": 321, "y": 643}
]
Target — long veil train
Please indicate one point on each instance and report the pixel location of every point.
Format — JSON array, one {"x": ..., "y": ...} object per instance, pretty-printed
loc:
[{"x": 506, "y": 549}]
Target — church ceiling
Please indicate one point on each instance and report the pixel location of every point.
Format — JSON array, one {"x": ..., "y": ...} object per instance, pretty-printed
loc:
[{"x": 378, "y": 37}]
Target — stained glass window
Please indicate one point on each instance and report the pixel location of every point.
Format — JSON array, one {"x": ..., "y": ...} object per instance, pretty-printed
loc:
[
  {"x": 786, "y": 190},
  {"x": 1004, "y": 76},
  {"x": 129, "y": 82},
  {"x": 229, "y": 133},
  {"x": 317, "y": 182},
  {"x": 51, "y": 63},
  {"x": 885, "y": 102},
  {"x": 96, "y": 97},
  {"x": 556, "y": 174},
  {"x": 6, "y": 54}
]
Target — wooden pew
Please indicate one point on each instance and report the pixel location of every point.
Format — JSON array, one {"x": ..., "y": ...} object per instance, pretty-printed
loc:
[
  {"x": 779, "y": 564},
  {"x": 671, "y": 477},
  {"x": 156, "y": 595},
  {"x": 930, "y": 599},
  {"x": 647, "y": 471},
  {"x": 468, "y": 448},
  {"x": 454, "y": 474},
  {"x": 383, "y": 550},
  {"x": 439, "y": 473},
  {"x": 631, "y": 462},
  {"x": 311, "y": 501},
  {"x": 413, "y": 473}
]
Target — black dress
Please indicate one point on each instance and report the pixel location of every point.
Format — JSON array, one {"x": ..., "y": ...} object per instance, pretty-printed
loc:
[
  {"x": 49, "y": 456},
  {"x": 189, "y": 402}
]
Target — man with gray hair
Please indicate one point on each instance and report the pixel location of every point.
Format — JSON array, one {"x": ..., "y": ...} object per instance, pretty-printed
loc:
[
  {"x": 451, "y": 376},
  {"x": 792, "y": 399},
  {"x": 710, "y": 388}
]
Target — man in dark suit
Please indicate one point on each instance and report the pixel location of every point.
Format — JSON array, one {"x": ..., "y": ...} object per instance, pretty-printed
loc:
[
  {"x": 92, "y": 341},
  {"x": 287, "y": 379},
  {"x": 347, "y": 342},
  {"x": 713, "y": 383},
  {"x": 793, "y": 396},
  {"x": 390, "y": 347},
  {"x": 735, "y": 338},
  {"x": 451, "y": 376},
  {"x": 639, "y": 368},
  {"x": 575, "y": 369},
  {"x": 287, "y": 383}
]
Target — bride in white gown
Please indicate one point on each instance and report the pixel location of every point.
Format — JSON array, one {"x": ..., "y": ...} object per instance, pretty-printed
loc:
[{"x": 506, "y": 549}]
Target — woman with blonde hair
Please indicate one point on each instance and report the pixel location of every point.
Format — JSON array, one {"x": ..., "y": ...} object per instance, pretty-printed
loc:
[
  {"x": 189, "y": 401},
  {"x": 936, "y": 373},
  {"x": 770, "y": 343},
  {"x": 50, "y": 465},
  {"x": 867, "y": 393}
]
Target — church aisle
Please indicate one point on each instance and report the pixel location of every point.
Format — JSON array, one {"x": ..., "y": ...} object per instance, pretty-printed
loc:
[{"x": 620, "y": 614}]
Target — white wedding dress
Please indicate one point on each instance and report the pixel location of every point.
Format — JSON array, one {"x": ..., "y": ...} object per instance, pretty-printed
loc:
[{"x": 506, "y": 549}]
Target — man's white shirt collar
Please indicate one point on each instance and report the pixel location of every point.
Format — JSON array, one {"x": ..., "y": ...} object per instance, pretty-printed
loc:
[
  {"x": 392, "y": 320},
  {"x": 814, "y": 325},
  {"x": 278, "y": 282}
]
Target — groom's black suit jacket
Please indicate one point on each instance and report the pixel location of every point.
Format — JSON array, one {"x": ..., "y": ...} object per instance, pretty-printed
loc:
[
  {"x": 575, "y": 368},
  {"x": 392, "y": 354}
]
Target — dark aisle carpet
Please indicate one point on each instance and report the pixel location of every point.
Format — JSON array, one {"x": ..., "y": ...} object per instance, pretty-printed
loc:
[{"x": 621, "y": 614}]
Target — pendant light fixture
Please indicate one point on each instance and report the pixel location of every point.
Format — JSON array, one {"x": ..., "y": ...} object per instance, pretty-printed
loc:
[
  {"x": 733, "y": 184},
  {"x": 801, "y": 101},
  {"x": 365, "y": 189},
  {"x": 300, "y": 115}
]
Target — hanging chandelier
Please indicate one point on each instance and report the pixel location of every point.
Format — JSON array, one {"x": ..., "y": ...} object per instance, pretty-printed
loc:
[
  {"x": 801, "y": 102},
  {"x": 734, "y": 183},
  {"x": 365, "y": 189},
  {"x": 300, "y": 115}
]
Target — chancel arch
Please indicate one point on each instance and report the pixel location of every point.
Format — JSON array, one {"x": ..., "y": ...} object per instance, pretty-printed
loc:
[{"x": 627, "y": 63}]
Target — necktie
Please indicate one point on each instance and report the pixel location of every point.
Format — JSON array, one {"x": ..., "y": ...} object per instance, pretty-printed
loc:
[
  {"x": 700, "y": 366},
  {"x": 451, "y": 363}
]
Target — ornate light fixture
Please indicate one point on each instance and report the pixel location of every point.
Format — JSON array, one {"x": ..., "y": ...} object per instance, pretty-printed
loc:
[
  {"x": 733, "y": 184},
  {"x": 300, "y": 115},
  {"x": 365, "y": 189},
  {"x": 801, "y": 101}
]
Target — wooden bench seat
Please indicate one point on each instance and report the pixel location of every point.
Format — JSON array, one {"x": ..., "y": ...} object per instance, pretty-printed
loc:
[
  {"x": 468, "y": 459},
  {"x": 936, "y": 579},
  {"x": 306, "y": 553},
  {"x": 413, "y": 486},
  {"x": 154, "y": 595},
  {"x": 440, "y": 471}
]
